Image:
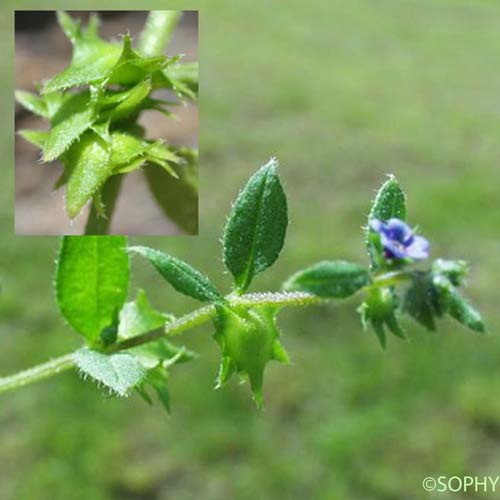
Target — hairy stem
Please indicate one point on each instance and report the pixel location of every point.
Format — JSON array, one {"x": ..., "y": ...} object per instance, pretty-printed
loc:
[
  {"x": 188, "y": 321},
  {"x": 99, "y": 223},
  {"x": 157, "y": 31},
  {"x": 37, "y": 373}
]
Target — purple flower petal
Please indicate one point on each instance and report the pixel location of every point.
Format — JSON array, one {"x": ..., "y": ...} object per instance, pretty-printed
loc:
[
  {"x": 399, "y": 241},
  {"x": 419, "y": 248},
  {"x": 392, "y": 248},
  {"x": 396, "y": 229},
  {"x": 376, "y": 225}
]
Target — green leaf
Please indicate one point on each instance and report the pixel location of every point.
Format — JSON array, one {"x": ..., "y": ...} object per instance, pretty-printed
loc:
[
  {"x": 378, "y": 328},
  {"x": 99, "y": 218},
  {"x": 184, "y": 75},
  {"x": 54, "y": 101},
  {"x": 36, "y": 137},
  {"x": 111, "y": 97},
  {"x": 456, "y": 306},
  {"x": 126, "y": 168},
  {"x": 249, "y": 339},
  {"x": 131, "y": 68},
  {"x": 96, "y": 61},
  {"x": 131, "y": 104},
  {"x": 161, "y": 352},
  {"x": 389, "y": 203},
  {"x": 454, "y": 270},
  {"x": 129, "y": 153},
  {"x": 88, "y": 166},
  {"x": 32, "y": 103},
  {"x": 139, "y": 317},
  {"x": 392, "y": 323},
  {"x": 70, "y": 27},
  {"x": 182, "y": 79},
  {"x": 184, "y": 278},
  {"x": 158, "y": 378},
  {"x": 119, "y": 372},
  {"x": 333, "y": 279},
  {"x": 92, "y": 60},
  {"x": 420, "y": 300},
  {"x": 72, "y": 119},
  {"x": 158, "y": 151},
  {"x": 256, "y": 228},
  {"x": 92, "y": 282},
  {"x": 126, "y": 147},
  {"x": 178, "y": 199}
]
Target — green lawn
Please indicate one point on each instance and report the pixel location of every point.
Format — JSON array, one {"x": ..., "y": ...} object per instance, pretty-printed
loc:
[{"x": 343, "y": 93}]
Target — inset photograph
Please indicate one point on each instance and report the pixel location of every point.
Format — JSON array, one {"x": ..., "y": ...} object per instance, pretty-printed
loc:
[{"x": 106, "y": 122}]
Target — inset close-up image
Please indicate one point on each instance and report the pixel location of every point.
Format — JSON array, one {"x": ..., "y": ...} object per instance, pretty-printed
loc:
[{"x": 106, "y": 122}]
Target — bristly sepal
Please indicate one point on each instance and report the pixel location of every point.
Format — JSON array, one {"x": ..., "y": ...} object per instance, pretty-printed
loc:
[{"x": 248, "y": 339}]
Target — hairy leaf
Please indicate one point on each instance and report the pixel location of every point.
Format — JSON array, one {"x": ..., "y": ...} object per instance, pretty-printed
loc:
[
  {"x": 92, "y": 61},
  {"x": 54, "y": 101},
  {"x": 92, "y": 282},
  {"x": 420, "y": 300},
  {"x": 389, "y": 203},
  {"x": 126, "y": 147},
  {"x": 182, "y": 87},
  {"x": 88, "y": 166},
  {"x": 184, "y": 75},
  {"x": 126, "y": 168},
  {"x": 70, "y": 27},
  {"x": 129, "y": 153},
  {"x": 157, "y": 378},
  {"x": 132, "y": 68},
  {"x": 184, "y": 278},
  {"x": 158, "y": 151},
  {"x": 139, "y": 317},
  {"x": 32, "y": 103},
  {"x": 456, "y": 306},
  {"x": 162, "y": 352},
  {"x": 119, "y": 372},
  {"x": 99, "y": 220},
  {"x": 36, "y": 137},
  {"x": 131, "y": 104},
  {"x": 454, "y": 270},
  {"x": 335, "y": 279},
  {"x": 72, "y": 119},
  {"x": 256, "y": 228}
]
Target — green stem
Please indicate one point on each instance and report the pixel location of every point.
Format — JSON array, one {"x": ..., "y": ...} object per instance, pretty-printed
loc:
[
  {"x": 98, "y": 222},
  {"x": 37, "y": 373},
  {"x": 188, "y": 321},
  {"x": 157, "y": 31},
  {"x": 390, "y": 279}
]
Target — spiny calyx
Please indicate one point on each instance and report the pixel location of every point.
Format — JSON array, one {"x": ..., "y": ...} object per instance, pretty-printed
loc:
[{"x": 249, "y": 339}]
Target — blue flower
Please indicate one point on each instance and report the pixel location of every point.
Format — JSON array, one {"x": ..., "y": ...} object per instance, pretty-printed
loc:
[{"x": 399, "y": 241}]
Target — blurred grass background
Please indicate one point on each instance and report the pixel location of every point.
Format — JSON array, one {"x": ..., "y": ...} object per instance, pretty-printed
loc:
[{"x": 342, "y": 93}]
